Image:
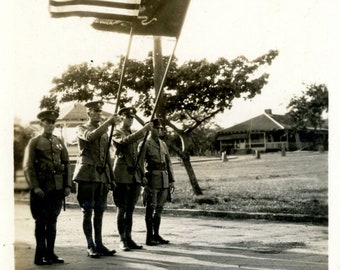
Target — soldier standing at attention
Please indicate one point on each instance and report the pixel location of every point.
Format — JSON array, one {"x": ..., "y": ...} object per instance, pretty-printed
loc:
[
  {"x": 46, "y": 168},
  {"x": 159, "y": 173},
  {"x": 94, "y": 178},
  {"x": 128, "y": 178}
]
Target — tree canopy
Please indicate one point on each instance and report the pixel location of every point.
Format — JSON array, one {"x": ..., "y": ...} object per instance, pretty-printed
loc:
[{"x": 307, "y": 110}]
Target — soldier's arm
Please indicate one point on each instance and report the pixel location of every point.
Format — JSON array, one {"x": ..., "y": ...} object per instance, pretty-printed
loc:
[
  {"x": 91, "y": 136},
  {"x": 121, "y": 138},
  {"x": 169, "y": 165},
  {"x": 66, "y": 161},
  {"x": 141, "y": 164},
  {"x": 28, "y": 164}
]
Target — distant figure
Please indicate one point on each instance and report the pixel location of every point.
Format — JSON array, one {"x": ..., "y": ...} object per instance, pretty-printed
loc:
[
  {"x": 128, "y": 178},
  {"x": 160, "y": 182},
  {"x": 46, "y": 168},
  {"x": 94, "y": 178}
]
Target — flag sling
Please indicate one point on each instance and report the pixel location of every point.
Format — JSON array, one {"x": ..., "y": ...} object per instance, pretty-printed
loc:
[{"x": 125, "y": 10}]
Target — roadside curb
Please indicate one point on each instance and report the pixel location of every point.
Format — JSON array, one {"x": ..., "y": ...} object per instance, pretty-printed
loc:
[{"x": 320, "y": 220}]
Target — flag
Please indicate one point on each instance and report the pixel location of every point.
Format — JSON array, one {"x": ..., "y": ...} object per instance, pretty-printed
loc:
[
  {"x": 125, "y": 10},
  {"x": 156, "y": 17}
]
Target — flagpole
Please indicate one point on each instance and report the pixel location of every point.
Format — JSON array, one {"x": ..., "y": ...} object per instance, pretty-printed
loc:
[
  {"x": 160, "y": 90},
  {"x": 119, "y": 92}
]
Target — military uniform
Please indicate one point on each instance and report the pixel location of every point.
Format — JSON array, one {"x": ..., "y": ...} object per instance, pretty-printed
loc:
[
  {"x": 159, "y": 172},
  {"x": 128, "y": 178},
  {"x": 46, "y": 168},
  {"x": 93, "y": 178}
]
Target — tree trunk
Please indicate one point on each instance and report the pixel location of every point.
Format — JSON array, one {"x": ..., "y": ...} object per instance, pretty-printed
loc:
[
  {"x": 184, "y": 155},
  {"x": 192, "y": 176}
]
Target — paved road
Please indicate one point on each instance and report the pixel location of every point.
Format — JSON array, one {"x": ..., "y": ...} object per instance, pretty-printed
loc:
[{"x": 196, "y": 243}]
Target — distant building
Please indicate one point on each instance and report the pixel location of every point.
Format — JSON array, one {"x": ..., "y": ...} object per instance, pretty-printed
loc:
[{"x": 270, "y": 132}]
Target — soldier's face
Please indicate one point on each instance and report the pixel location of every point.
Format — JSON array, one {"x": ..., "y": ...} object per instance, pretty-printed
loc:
[
  {"x": 48, "y": 126},
  {"x": 157, "y": 132},
  {"x": 95, "y": 115},
  {"x": 128, "y": 120}
]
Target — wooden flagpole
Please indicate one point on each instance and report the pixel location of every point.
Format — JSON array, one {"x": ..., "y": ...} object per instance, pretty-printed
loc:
[
  {"x": 119, "y": 92},
  {"x": 159, "y": 92}
]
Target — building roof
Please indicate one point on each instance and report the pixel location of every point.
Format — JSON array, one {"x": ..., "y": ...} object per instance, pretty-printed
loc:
[
  {"x": 264, "y": 122},
  {"x": 76, "y": 112}
]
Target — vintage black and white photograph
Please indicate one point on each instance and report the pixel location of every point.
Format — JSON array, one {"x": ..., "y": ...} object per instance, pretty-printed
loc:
[{"x": 170, "y": 134}]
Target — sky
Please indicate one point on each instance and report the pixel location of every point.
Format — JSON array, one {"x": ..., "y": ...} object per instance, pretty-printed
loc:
[
  {"x": 302, "y": 31},
  {"x": 35, "y": 48}
]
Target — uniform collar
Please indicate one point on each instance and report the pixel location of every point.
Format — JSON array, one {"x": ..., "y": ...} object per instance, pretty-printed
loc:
[{"x": 47, "y": 136}]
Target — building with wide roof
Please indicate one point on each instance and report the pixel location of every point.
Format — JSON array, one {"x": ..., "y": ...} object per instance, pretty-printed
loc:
[{"x": 270, "y": 132}]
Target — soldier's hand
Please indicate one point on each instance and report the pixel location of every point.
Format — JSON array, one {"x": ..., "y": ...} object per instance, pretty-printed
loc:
[
  {"x": 115, "y": 119},
  {"x": 67, "y": 191},
  {"x": 113, "y": 185},
  {"x": 38, "y": 191},
  {"x": 172, "y": 187},
  {"x": 145, "y": 194}
]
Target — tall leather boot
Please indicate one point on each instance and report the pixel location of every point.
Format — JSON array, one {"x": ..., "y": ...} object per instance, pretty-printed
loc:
[
  {"x": 51, "y": 233},
  {"x": 123, "y": 245},
  {"x": 156, "y": 225},
  {"x": 128, "y": 229},
  {"x": 149, "y": 233},
  {"x": 97, "y": 224},
  {"x": 40, "y": 250},
  {"x": 131, "y": 244},
  {"x": 87, "y": 228}
]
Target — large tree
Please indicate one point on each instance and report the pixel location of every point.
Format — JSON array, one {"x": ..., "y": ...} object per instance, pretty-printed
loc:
[
  {"x": 194, "y": 93},
  {"x": 308, "y": 109}
]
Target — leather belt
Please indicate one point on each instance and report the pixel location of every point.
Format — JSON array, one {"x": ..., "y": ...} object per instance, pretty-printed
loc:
[{"x": 155, "y": 166}]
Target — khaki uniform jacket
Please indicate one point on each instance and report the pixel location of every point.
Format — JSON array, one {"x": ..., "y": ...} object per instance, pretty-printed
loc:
[
  {"x": 126, "y": 144},
  {"x": 91, "y": 157},
  {"x": 46, "y": 163},
  {"x": 158, "y": 168}
]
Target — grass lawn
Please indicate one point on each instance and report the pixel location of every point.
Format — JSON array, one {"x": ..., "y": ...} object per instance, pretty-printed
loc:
[{"x": 296, "y": 184}]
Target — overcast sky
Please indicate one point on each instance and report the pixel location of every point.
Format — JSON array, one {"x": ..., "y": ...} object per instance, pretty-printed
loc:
[{"x": 303, "y": 31}]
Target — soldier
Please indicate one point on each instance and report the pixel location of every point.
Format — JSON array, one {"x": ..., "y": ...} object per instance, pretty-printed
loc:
[
  {"x": 128, "y": 177},
  {"x": 160, "y": 184},
  {"x": 94, "y": 178},
  {"x": 46, "y": 168}
]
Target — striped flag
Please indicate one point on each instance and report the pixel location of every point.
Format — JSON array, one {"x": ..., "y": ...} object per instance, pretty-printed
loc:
[
  {"x": 156, "y": 17},
  {"x": 124, "y": 10}
]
